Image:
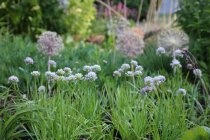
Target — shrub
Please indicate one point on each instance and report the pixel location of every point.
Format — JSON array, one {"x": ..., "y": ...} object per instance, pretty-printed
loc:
[{"x": 193, "y": 17}]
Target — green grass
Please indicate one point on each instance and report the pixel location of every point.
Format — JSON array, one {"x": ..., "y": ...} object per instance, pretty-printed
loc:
[{"x": 108, "y": 108}]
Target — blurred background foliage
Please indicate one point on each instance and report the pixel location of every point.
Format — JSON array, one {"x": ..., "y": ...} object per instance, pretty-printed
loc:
[{"x": 33, "y": 16}]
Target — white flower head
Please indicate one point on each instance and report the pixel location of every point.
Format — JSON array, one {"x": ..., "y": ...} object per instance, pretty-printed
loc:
[
  {"x": 60, "y": 78},
  {"x": 67, "y": 70},
  {"x": 138, "y": 73},
  {"x": 41, "y": 89},
  {"x": 157, "y": 80},
  {"x": 96, "y": 68},
  {"x": 175, "y": 63},
  {"x": 134, "y": 63},
  {"x": 129, "y": 73},
  {"x": 117, "y": 73},
  {"x": 160, "y": 51},
  {"x": 148, "y": 80},
  {"x": 172, "y": 39},
  {"x": 146, "y": 89},
  {"x": 71, "y": 78},
  {"x": 87, "y": 68},
  {"x": 125, "y": 67},
  {"x": 182, "y": 91},
  {"x": 79, "y": 76},
  {"x": 197, "y": 72},
  {"x": 50, "y": 43},
  {"x": 29, "y": 61},
  {"x": 35, "y": 73},
  {"x": 13, "y": 79},
  {"x": 178, "y": 53},
  {"x": 139, "y": 68},
  {"x": 189, "y": 66},
  {"x": 51, "y": 75},
  {"x": 91, "y": 76},
  {"x": 52, "y": 63},
  {"x": 60, "y": 72}
]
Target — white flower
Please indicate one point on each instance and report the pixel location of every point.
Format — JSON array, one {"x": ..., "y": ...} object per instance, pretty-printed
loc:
[
  {"x": 134, "y": 63},
  {"x": 87, "y": 68},
  {"x": 13, "y": 79},
  {"x": 147, "y": 89},
  {"x": 117, "y": 74},
  {"x": 175, "y": 63},
  {"x": 71, "y": 78},
  {"x": 178, "y": 53},
  {"x": 157, "y": 80},
  {"x": 60, "y": 78},
  {"x": 35, "y": 73},
  {"x": 50, "y": 43},
  {"x": 79, "y": 76},
  {"x": 197, "y": 72},
  {"x": 51, "y": 75},
  {"x": 41, "y": 89},
  {"x": 148, "y": 80},
  {"x": 29, "y": 60},
  {"x": 129, "y": 73},
  {"x": 125, "y": 67},
  {"x": 91, "y": 76},
  {"x": 139, "y": 68},
  {"x": 67, "y": 70},
  {"x": 52, "y": 63},
  {"x": 160, "y": 51},
  {"x": 96, "y": 68},
  {"x": 189, "y": 66},
  {"x": 138, "y": 73},
  {"x": 60, "y": 72},
  {"x": 182, "y": 91},
  {"x": 120, "y": 70}
]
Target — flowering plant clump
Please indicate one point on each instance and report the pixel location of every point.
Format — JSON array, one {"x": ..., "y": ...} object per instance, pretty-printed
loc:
[
  {"x": 129, "y": 70},
  {"x": 152, "y": 83},
  {"x": 91, "y": 75},
  {"x": 50, "y": 43}
]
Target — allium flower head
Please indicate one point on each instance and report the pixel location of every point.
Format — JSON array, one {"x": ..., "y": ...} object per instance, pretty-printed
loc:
[
  {"x": 96, "y": 68},
  {"x": 67, "y": 70},
  {"x": 91, "y": 76},
  {"x": 50, "y": 43},
  {"x": 160, "y": 51},
  {"x": 117, "y": 73},
  {"x": 157, "y": 80},
  {"x": 125, "y": 67},
  {"x": 182, "y": 91},
  {"x": 79, "y": 76},
  {"x": 41, "y": 89},
  {"x": 148, "y": 80},
  {"x": 139, "y": 68},
  {"x": 71, "y": 78},
  {"x": 51, "y": 75},
  {"x": 129, "y": 43},
  {"x": 146, "y": 89},
  {"x": 29, "y": 61},
  {"x": 197, "y": 73},
  {"x": 52, "y": 63},
  {"x": 178, "y": 53},
  {"x": 129, "y": 73},
  {"x": 35, "y": 73},
  {"x": 138, "y": 73},
  {"x": 134, "y": 63},
  {"x": 60, "y": 72},
  {"x": 13, "y": 79},
  {"x": 87, "y": 68},
  {"x": 172, "y": 39},
  {"x": 189, "y": 66},
  {"x": 175, "y": 64}
]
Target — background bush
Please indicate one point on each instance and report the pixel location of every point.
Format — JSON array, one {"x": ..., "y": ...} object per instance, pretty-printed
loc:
[
  {"x": 194, "y": 19},
  {"x": 33, "y": 16}
]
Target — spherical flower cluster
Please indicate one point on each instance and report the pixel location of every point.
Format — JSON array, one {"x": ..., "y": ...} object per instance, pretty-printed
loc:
[
  {"x": 71, "y": 78},
  {"x": 197, "y": 73},
  {"x": 35, "y": 73},
  {"x": 41, "y": 89},
  {"x": 181, "y": 91},
  {"x": 178, "y": 53},
  {"x": 129, "y": 73},
  {"x": 172, "y": 39},
  {"x": 129, "y": 43},
  {"x": 134, "y": 63},
  {"x": 52, "y": 63},
  {"x": 28, "y": 61},
  {"x": 50, "y": 43},
  {"x": 13, "y": 79},
  {"x": 160, "y": 51},
  {"x": 139, "y": 68},
  {"x": 91, "y": 76},
  {"x": 125, "y": 67},
  {"x": 60, "y": 72},
  {"x": 175, "y": 64},
  {"x": 51, "y": 76},
  {"x": 67, "y": 70},
  {"x": 79, "y": 76},
  {"x": 152, "y": 82},
  {"x": 117, "y": 73}
]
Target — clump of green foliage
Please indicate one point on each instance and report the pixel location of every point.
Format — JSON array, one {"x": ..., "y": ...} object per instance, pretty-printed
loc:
[{"x": 194, "y": 19}]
